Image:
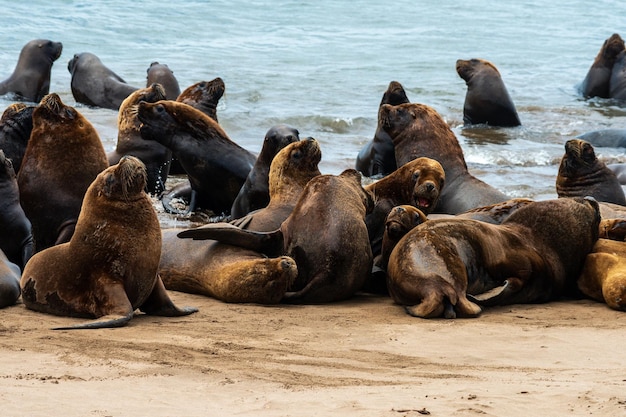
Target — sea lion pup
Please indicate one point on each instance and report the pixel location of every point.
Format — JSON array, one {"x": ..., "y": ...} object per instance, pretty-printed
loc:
[
  {"x": 535, "y": 255},
  {"x": 581, "y": 174},
  {"x": 94, "y": 84},
  {"x": 162, "y": 74},
  {"x": 16, "y": 125},
  {"x": 487, "y": 99},
  {"x": 30, "y": 80},
  {"x": 597, "y": 80},
  {"x": 325, "y": 234},
  {"x": 617, "y": 83},
  {"x": 418, "y": 182},
  {"x": 216, "y": 166},
  {"x": 16, "y": 239},
  {"x": 254, "y": 194},
  {"x": 9, "y": 281},
  {"x": 603, "y": 277},
  {"x": 417, "y": 131},
  {"x": 64, "y": 155},
  {"x": 377, "y": 157},
  {"x": 155, "y": 156},
  {"x": 204, "y": 96},
  {"x": 109, "y": 267}
]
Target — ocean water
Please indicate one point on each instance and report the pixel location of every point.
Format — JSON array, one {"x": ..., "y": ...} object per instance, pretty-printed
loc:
[{"x": 322, "y": 67}]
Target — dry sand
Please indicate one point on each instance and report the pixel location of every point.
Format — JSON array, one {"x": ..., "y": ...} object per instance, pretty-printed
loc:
[{"x": 364, "y": 357}]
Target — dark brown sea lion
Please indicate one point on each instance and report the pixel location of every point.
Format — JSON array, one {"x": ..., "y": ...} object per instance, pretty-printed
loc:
[
  {"x": 9, "y": 281},
  {"x": 95, "y": 84},
  {"x": 254, "y": 194},
  {"x": 417, "y": 131},
  {"x": 155, "y": 156},
  {"x": 487, "y": 100},
  {"x": 582, "y": 174},
  {"x": 617, "y": 83},
  {"x": 603, "y": 277},
  {"x": 16, "y": 125},
  {"x": 597, "y": 80},
  {"x": 325, "y": 234},
  {"x": 204, "y": 96},
  {"x": 377, "y": 157},
  {"x": 419, "y": 183},
  {"x": 109, "y": 267},
  {"x": 162, "y": 74},
  {"x": 16, "y": 239},
  {"x": 64, "y": 155},
  {"x": 30, "y": 80},
  {"x": 535, "y": 255},
  {"x": 216, "y": 166}
]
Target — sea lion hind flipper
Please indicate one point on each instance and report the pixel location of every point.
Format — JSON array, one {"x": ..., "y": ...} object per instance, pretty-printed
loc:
[
  {"x": 270, "y": 243},
  {"x": 498, "y": 295},
  {"x": 104, "y": 322},
  {"x": 432, "y": 305},
  {"x": 159, "y": 303}
]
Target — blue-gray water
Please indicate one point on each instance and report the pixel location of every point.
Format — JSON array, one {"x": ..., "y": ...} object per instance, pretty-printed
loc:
[{"x": 322, "y": 67}]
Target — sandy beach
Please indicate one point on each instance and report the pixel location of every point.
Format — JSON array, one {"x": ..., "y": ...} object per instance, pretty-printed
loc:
[{"x": 362, "y": 357}]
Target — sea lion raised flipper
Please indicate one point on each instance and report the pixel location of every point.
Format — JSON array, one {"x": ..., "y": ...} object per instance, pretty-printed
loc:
[
  {"x": 498, "y": 295},
  {"x": 269, "y": 243}
]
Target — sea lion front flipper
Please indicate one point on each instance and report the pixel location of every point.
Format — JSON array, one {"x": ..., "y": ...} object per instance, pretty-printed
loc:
[
  {"x": 120, "y": 312},
  {"x": 497, "y": 295},
  {"x": 270, "y": 243},
  {"x": 159, "y": 303}
]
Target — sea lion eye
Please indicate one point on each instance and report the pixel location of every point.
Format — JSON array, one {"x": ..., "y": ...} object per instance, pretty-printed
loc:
[
  {"x": 297, "y": 154},
  {"x": 416, "y": 175}
]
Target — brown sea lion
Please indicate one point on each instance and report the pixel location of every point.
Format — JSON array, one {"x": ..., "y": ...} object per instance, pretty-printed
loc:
[
  {"x": 535, "y": 255},
  {"x": 254, "y": 194},
  {"x": 419, "y": 183},
  {"x": 325, "y": 234},
  {"x": 617, "y": 83},
  {"x": 487, "y": 100},
  {"x": 155, "y": 156},
  {"x": 377, "y": 157},
  {"x": 216, "y": 166},
  {"x": 417, "y": 131},
  {"x": 16, "y": 125},
  {"x": 109, "y": 267},
  {"x": 204, "y": 96},
  {"x": 603, "y": 277},
  {"x": 9, "y": 281},
  {"x": 64, "y": 155},
  {"x": 95, "y": 84},
  {"x": 162, "y": 74},
  {"x": 597, "y": 80},
  {"x": 16, "y": 239},
  {"x": 581, "y": 174},
  {"x": 30, "y": 80},
  {"x": 400, "y": 220}
]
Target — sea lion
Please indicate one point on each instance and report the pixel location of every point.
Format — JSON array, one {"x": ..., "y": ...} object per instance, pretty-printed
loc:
[
  {"x": 534, "y": 256},
  {"x": 155, "y": 156},
  {"x": 162, "y": 74},
  {"x": 611, "y": 138},
  {"x": 487, "y": 100},
  {"x": 216, "y": 166},
  {"x": 417, "y": 131},
  {"x": 96, "y": 85},
  {"x": 581, "y": 174},
  {"x": 419, "y": 182},
  {"x": 617, "y": 83},
  {"x": 9, "y": 281},
  {"x": 377, "y": 157},
  {"x": 16, "y": 125},
  {"x": 603, "y": 277},
  {"x": 325, "y": 234},
  {"x": 620, "y": 172},
  {"x": 30, "y": 80},
  {"x": 597, "y": 80},
  {"x": 204, "y": 96},
  {"x": 64, "y": 155},
  {"x": 109, "y": 267},
  {"x": 16, "y": 239},
  {"x": 254, "y": 194}
]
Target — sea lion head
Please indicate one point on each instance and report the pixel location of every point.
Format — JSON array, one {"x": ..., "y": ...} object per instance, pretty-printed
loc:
[
  {"x": 394, "y": 95},
  {"x": 428, "y": 178},
  {"x": 401, "y": 219},
  {"x": 466, "y": 68},
  {"x": 297, "y": 160},
  {"x": 49, "y": 51},
  {"x": 128, "y": 109},
  {"x": 124, "y": 181},
  {"x": 279, "y": 136},
  {"x": 612, "y": 47},
  {"x": 52, "y": 109},
  {"x": 204, "y": 95},
  {"x": 579, "y": 157}
]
